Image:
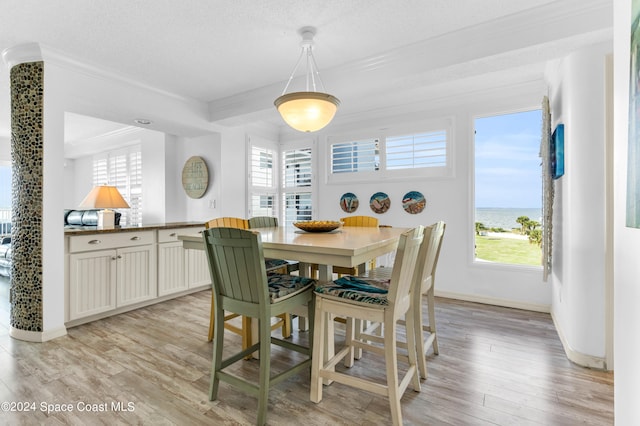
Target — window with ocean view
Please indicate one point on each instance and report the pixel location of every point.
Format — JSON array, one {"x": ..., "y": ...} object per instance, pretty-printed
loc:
[{"x": 508, "y": 189}]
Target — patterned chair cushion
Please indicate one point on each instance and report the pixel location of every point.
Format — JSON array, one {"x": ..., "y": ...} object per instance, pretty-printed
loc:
[
  {"x": 282, "y": 286},
  {"x": 357, "y": 289},
  {"x": 270, "y": 264}
]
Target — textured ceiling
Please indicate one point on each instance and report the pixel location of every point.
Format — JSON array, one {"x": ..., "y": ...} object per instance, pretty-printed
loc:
[{"x": 213, "y": 51}]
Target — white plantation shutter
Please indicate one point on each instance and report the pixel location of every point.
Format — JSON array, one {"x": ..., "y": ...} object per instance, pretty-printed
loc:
[
  {"x": 355, "y": 156},
  {"x": 135, "y": 188},
  {"x": 100, "y": 171},
  {"x": 262, "y": 205},
  {"x": 403, "y": 153},
  {"x": 122, "y": 169},
  {"x": 262, "y": 182},
  {"x": 296, "y": 185},
  {"x": 416, "y": 151},
  {"x": 262, "y": 167}
]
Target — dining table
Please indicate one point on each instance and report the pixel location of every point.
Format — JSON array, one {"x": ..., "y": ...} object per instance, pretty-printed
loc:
[{"x": 347, "y": 246}]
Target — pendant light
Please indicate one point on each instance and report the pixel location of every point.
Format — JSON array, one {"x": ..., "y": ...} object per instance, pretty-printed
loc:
[{"x": 310, "y": 110}]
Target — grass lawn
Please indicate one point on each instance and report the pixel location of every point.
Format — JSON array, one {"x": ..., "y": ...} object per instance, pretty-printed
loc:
[{"x": 508, "y": 250}]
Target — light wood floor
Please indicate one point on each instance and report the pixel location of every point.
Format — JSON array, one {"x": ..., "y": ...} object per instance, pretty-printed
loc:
[{"x": 496, "y": 366}]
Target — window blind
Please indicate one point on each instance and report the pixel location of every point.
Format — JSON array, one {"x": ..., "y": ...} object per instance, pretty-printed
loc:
[
  {"x": 416, "y": 151},
  {"x": 355, "y": 156}
]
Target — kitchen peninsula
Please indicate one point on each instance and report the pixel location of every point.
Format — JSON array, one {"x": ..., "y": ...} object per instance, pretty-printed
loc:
[{"x": 110, "y": 271}]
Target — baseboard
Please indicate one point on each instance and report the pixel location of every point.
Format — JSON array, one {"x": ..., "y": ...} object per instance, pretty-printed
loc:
[
  {"x": 576, "y": 357},
  {"x": 494, "y": 301},
  {"x": 37, "y": 336}
]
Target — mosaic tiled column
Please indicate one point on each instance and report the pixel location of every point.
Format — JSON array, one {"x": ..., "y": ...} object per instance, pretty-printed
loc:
[{"x": 27, "y": 93}]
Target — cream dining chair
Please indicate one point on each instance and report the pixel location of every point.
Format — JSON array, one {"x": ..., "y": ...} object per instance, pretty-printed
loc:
[
  {"x": 423, "y": 285},
  {"x": 385, "y": 302}
]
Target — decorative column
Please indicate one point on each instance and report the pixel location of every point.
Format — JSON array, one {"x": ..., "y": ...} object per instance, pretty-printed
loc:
[{"x": 27, "y": 94}]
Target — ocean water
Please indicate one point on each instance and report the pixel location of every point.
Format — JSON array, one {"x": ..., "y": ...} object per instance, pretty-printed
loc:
[{"x": 505, "y": 218}]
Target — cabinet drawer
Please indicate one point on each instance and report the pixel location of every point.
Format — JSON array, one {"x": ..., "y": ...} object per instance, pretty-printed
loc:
[
  {"x": 171, "y": 235},
  {"x": 80, "y": 243}
]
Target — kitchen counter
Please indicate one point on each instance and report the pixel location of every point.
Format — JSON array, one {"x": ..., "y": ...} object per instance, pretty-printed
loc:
[{"x": 84, "y": 230}]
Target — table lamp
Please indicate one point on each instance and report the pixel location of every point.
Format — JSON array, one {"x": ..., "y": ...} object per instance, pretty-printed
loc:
[{"x": 104, "y": 197}]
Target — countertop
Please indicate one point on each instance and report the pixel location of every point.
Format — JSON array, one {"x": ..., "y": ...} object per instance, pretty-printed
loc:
[{"x": 84, "y": 230}]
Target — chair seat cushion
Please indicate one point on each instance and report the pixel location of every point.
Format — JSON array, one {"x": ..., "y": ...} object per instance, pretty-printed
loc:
[
  {"x": 282, "y": 286},
  {"x": 357, "y": 289},
  {"x": 274, "y": 263}
]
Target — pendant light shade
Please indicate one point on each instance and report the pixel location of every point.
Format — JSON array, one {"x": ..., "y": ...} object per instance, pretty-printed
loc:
[
  {"x": 307, "y": 111},
  {"x": 310, "y": 110}
]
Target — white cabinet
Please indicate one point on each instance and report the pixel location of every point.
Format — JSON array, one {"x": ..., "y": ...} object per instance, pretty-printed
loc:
[
  {"x": 92, "y": 283},
  {"x": 111, "y": 270},
  {"x": 180, "y": 269},
  {"x": 116, "y": 271},
  {"x": 136, "y": 269}
]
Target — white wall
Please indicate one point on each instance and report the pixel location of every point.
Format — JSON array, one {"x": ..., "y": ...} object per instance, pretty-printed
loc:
[
  {"x": 208, "y": 206},
  {"x": 449, "y": 199},
  {"x": 577, "y": 97},
  {"x": 627, "y": 240}
]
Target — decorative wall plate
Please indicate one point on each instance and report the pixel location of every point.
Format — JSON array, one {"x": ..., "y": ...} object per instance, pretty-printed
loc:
[
  {"x": 379, "y": 202},
  {"x": 195, "y": 177},
  {"x": 349, "y": 202},
  {"x": 413, "y": 202}
]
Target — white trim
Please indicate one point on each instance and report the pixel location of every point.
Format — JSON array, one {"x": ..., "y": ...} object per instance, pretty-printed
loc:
[
  {"x": 37, "y": 336},
  {"x": 494, "y": 301},
  {"x": 21, "y": 54},
  {"x": 579, "y": 358}
]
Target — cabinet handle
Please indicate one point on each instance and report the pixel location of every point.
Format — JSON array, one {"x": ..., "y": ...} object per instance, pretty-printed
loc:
[
  {"x": 119, "y": 257},
  {"x": 95, "y": 242},
  {"x": 135, "y": 238},
  {"x": 113, "y": 258},
  {"x": 173, "y": 234}
]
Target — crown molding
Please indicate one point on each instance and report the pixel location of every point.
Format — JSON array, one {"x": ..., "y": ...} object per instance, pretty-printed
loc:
[{"x": 21, "y": 54}]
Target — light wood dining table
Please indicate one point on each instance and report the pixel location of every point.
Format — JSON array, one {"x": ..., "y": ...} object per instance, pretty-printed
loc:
[{"x": 348, "y": 246}]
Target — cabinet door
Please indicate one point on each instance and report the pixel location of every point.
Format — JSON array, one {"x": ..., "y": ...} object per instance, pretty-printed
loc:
[
  {"x": 171, "y": 271},
  {"x": 92, "y": 283},
  {"x": 136, "y": 274},
  {"x": 197, "y": 268}
]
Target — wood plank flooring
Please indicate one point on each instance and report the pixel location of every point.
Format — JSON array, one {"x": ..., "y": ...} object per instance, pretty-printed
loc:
[{"x": 497, "y": 366}]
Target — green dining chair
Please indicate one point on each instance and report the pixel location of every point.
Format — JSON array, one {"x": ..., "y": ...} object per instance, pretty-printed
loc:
[{"x": 241, "y": 285}]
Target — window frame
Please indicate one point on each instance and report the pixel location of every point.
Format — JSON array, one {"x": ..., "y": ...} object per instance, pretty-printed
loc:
[
  {"x": 383, "y": 173},
  {"x": 473, "y": 261},
  {"x": 268, "y": 190}
]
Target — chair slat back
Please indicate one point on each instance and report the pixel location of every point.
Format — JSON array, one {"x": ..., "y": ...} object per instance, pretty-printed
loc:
[
  {"x": 363, "y": 221},
  {"x": 428, "y": 256},
  {"x": 236, "y": 262},
  {"x": 227, "y": 222},
  {"x": 263, "y": 222},
  {"x": 404, "y": 265}
]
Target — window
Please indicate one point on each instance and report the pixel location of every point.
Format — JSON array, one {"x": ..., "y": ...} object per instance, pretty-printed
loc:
[
  {"x": 508, "y": 197},
  {"x": 122, "y": 169},
  {"x": 417, "y": 151},
  {"x": 262, "y": 184},
  {"x": 5, "y": 200},
  {"x": 355, "y": 156},
  {"x": 296, "y": 185},
  {"x": 394, "y": 153},
  {"x": 280, "y": 181}
]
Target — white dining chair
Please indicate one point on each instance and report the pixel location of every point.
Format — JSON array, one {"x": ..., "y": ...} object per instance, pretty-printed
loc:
[{"x": 382, "y": 301}]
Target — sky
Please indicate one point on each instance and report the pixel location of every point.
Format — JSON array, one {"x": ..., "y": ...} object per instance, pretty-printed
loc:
[{"x": 507, "y": 166}]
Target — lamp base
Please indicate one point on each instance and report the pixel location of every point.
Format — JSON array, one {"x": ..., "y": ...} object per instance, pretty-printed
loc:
[{"x": 106, "y": 219}]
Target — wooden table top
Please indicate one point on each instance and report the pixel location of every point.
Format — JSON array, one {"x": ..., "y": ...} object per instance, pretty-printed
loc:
[{"x": 347, "y": 246}]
